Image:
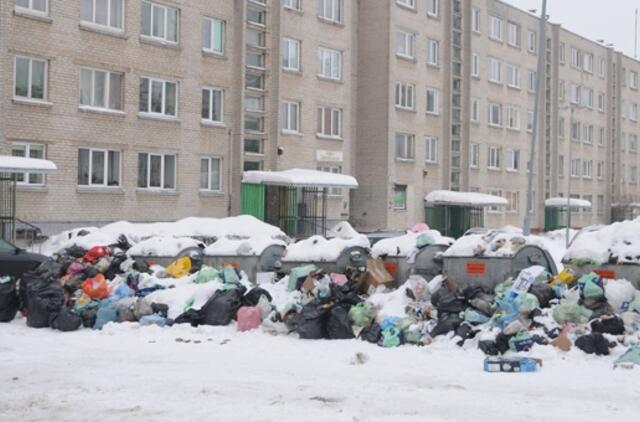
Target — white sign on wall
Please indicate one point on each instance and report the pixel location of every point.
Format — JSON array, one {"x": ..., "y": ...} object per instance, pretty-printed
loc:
[{"x": 329, "y": 156}]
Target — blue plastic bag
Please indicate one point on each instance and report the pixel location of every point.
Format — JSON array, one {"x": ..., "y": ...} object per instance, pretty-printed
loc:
[
  {"x": 153, "y": 319},
  {"x": 107, "y": 312}
]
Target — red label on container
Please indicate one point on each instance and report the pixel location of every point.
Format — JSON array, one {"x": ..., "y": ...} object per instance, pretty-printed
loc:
[
  {"x": 608, "y": 274},
  {"x": 476, "y": 268}
]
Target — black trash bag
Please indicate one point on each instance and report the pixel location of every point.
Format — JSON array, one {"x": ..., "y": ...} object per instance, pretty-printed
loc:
[
  {"x": 338, "y": 323},
  {"x": 253, "y": 296},
  {"x": 75, "y": 251},
  {"x": 447, "y": 301},
  {"x": 90, "y": 271},
  {"x": 544, "y": 293},
  {"x": 74, "y": 282},
  {"x": 140, "y": 265},
  {"x": 223, "y": 307},
  {"x": 89, "y": 317},
  {"x": 502, "y": 342},
  {"x": 489, "y": 347},
  {"x": 613, "y": 325},
  {"x": 191, "y": 316},
  {"x": 371, "y": 333},
  {"x": 347, "y": 294},
  {"x": 446, "y": 324},
  {"x": 65, "y": 320},
  {"x": 598, "y": 307},
  {"x": 160, "y": 309},
  {"x": 114, "y": 266},
  {"x": 311, "y": 321},
  {"x": 123, "y": 243},
  {"x": 50, "y": 269},
  {"x": 541, "y": 340},
  {"x": 466, "y": 332},
  {"x": 9, "y": 301},
  {"x": 42, "y": 298},
  {"x": 593, "y": 343}
]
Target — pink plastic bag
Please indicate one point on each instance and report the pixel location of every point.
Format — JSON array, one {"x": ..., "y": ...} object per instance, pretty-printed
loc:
[
  {"x": 75, "y": 268},
  {"x": 338, "y": 279},
  {"x": 419, "y": 228},
  {"x": 248, "y": 318}
]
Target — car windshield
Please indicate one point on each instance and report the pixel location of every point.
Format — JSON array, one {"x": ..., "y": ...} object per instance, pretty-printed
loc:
[{"x": 6, "y": 247}]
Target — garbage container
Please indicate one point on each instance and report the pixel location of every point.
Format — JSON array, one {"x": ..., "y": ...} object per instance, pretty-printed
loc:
[
  {"x": 629, "y": 272},
  {"x": 427, "y": 263},
  {"x": 268, "y": 261},
  {"x": 488, "y": 271},
  {"x": 353, "y": 256}
]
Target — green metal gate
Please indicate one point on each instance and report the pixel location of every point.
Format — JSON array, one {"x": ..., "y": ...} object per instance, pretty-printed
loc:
[
  {"x": 453, "y": 220},
  {"x": 253, "y": 197},
  {"x": 8, "y": 206}
]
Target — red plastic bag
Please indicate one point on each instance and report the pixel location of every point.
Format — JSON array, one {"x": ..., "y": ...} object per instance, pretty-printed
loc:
[
  {"x": 96, "y": 253},
  {"x": 96, "y": 288},
  {"x": 248, "y": 318}
]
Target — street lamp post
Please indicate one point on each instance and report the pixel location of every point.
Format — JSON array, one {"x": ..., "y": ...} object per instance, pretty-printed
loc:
[{"x": 569, "y": 167}]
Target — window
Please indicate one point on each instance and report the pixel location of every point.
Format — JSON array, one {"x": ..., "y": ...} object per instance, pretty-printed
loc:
[
  {"x": 433, "y": 48},
  {"x": 329, "y": 63},
  {"x": 576, "y": 58},
  {"x": 474, "y": 155},
  {"x": 254, "y": 81},
  {"x": 602, "y": 67},
  {"x": 575, "y": 167},
  {"x": 98, "y": 167},
  {"x": 475, "y": 110},
  {"x": 575, "y": 131},
  {"x": 331, "y": 10},
  {"x": 532, "y": 41},
  {"x": 513, "y": 76},
  {"x": 576, "y": 94},
  {"x": 29, "y": 151},
  {"x": 291, "y": 117},
  {"x": 250, "y": 165},
  {"x": 600, "y": 204},
  {"x": 561, "y": 124},
  {"x": 633, "y": 79},
  {"x": 493, "y": 159},
  {"x": 495, "y": 208},
  {"x": 433, "y": 7},
  {"x": 36, "y": 7},
  {"x": 561, "y": 165},
  {"x": 513, "y": 118},
  {"x": 405, "y": 146},
  {"x": 255, "y": 59},
  {"x": 431, "y": 150},
  {"x": 254, "y": 123},
  {"x": 495, "y": 70},
  {"x": 532, "y": 80},
  {"x": 212, "y": 105},
  {"x": 330, "y": 122},
  {"x": 587, "y": 97},
  {"x": 600, "y": 170},
  {"x": 633, "y": 142},
  {"x": 254, "y": 103},
  {"x": 405, "y": 44},
  {"x": 601, "y": 136},
  {"x": 561, "y": 89},
  {"x": 158, "y": 97},
  {"x": 495, "y": 115},
  {"x": 563, "y": 52},
  {"x": 156, "y": 171},
  {"x": 293, "y": 4},
  {"x": 587, "y": 134},
  {"x": 255, "y": 37},
  {"x": 256, "y": 16},
  {"x": 633, "y": 174},
  {"x": 633, "y": 112},
  {"x": 405, "y": 95},
  {"x": 334, "y": 170},
  {"x": 513, "y": 34},
  {"x": 513, "y": 159},
  {"x": 588, "y": 62},
  {"x": 475, "y": 20},
  {"x": 513, "y": 201},
  {"x": 104, "y": 13},
  {"x": 159, "y": 22},
  {"x": 290, "y": 54},
  {"x": 253, "y": 146},
  {"x": 601, "y": 102},
  {"x": 210, "y": 174},
  {"x": 433, "y": 101},
  {"x": 101, "y": 89},
  {"x": 400, "y": 197},
  {"x": 213, "y": 35},
  {"x": 408, "y": 3},
  {"x": 30, "y": 79},
  {"x": 587, "y": 168},
  {"x": 495, "y": 28},
  {"x": 530, "y": 118},
  {"x": 475, "y": 65}
]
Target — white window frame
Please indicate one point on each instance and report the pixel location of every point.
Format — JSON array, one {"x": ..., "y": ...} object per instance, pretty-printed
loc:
[
  {"x": 27, "y": 154},
  {"x": 291, "y": 53},
  {"x": 495, "y": 65},
  {"x": 433, "y": 8},
  {"x": 513, "y": 202},
  {"x": 493, "y": 107},
  {"x": 330, "y": 10},
  {"x": 475, "y": 110},
  {"x": 334, "y": 59},
  {"x": 109, "y": 26},
  {"x": 587, "y": 169},
  {"x": 513, "y": 76},
  {"x": 31, "y": 11},
  {"x": 633, "y": 142},
  {"x": 495, "y": 209},
  {"x": 261, "y": 13},
  {"x": 475, "y": 66},
  {"x": 532, "y": 80},
  {"x": 212, "y": 23},
  {"x": 561, "y": 127},
  {"x": 433, "y": 52},
  {"x": 493, "y": 157},
  {"x": 495, "y": 28},
  {"x": 107, "y": 90},
  {"x": 29, "y": 96},
  {"x": 601, "y": 102},
  {"x": 476, "y": 15},
  {"x": 334, "y": 169},
  {"x": 405, "y": 96},
  {"x": 633, "y": 112},
  {"x": 532, "y": 41},
  {"x": 435, "y": 93},
  {"x": 474, "y": 155},
  {"x": 575, "y": 168},
  {"x": 600, "y": 170},
  {"x": 408, "y": 45},
  {"x": 164, "y": 97},
  {"x": 633, "y": 79},
  {"x": 295, "y": 5},
  {"x": 210, "y": 119},
  {"x": 431, "y": 152},
  {"x": 394, "y": 203},
  {"x": 409, "y": 4},
  {"x": 408, "y": 142},
  {"x": 513, "y": 118},
  {"x": 513, "y": 160},
  {"x": 601, "y": 136},
  {"x": 562, "y": 53},
  {"x": 105, "y": 176},
  {"x": 209, "y": 187},
  {"x": 587, "y": 134},
  {"x": 162, "y": 172},
  {"x": 576, "y": 94},
  {"x": 587, "y": 62},
  {"x": 513, "y": 34},
  {"x": 336, "y": 124},
  {"x": 576, "y": 58},
  {"x": 291, "y": 114},
  {"x": 163, "y": 39}
]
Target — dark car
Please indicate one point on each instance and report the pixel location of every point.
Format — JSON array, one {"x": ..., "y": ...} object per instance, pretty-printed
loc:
[{"x": 15, "y": 261}]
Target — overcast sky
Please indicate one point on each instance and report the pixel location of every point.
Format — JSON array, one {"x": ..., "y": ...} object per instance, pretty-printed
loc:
[{"x": 611, "y": 20}]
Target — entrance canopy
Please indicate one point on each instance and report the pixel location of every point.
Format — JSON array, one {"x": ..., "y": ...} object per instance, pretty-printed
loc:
[
  {"x": 464, "y": 199},
  {"x": 9, "y": 164},
  {"x": 300, "y": 178},
  {"x": 562, "y": 203}
]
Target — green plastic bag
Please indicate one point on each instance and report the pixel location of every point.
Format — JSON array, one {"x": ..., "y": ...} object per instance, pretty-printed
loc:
[
  {"x": 526, "y": 303},
  {"x": 629, "y": 358},
  {"x": 390, "y": 337},
  {"x": 571, "y": 313},
  {"x": 206, "y": 275},
  {"x": 361, "y": 314},
  {"x": 298, "y": 273},
  {"x": 473, "y": 316},
  {"x": 230, "y": 276},
  {"x": 591, "y": 286},
  {"x": 414, "y": 336},
  {"x": 424, "y": 240}
]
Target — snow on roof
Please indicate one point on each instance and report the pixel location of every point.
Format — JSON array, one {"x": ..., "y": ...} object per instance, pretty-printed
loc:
[
  {"x": 300, "y": 178},
  {"x": 10, "y": 164},
  {"x": 562, "y": 202},
  {"x": 464, "y": 198}
]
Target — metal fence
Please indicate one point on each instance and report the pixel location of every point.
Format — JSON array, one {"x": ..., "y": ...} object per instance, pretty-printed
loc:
[{"x": 8, "y": 206}]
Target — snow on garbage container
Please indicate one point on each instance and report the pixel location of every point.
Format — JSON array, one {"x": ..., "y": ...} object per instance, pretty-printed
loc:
[
  {"x": 163, "y": 250},
  {"x": 412, "y": 253},
  {"x": 611, "y": 251},
  {"x": 491, "y": 258}
]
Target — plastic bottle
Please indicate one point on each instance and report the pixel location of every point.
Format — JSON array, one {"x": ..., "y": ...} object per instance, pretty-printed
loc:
[{"x": 502, "y": 364}]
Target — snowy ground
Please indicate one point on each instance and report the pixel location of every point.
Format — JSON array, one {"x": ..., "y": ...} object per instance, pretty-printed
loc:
[{"x": 127, "y": 372}]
